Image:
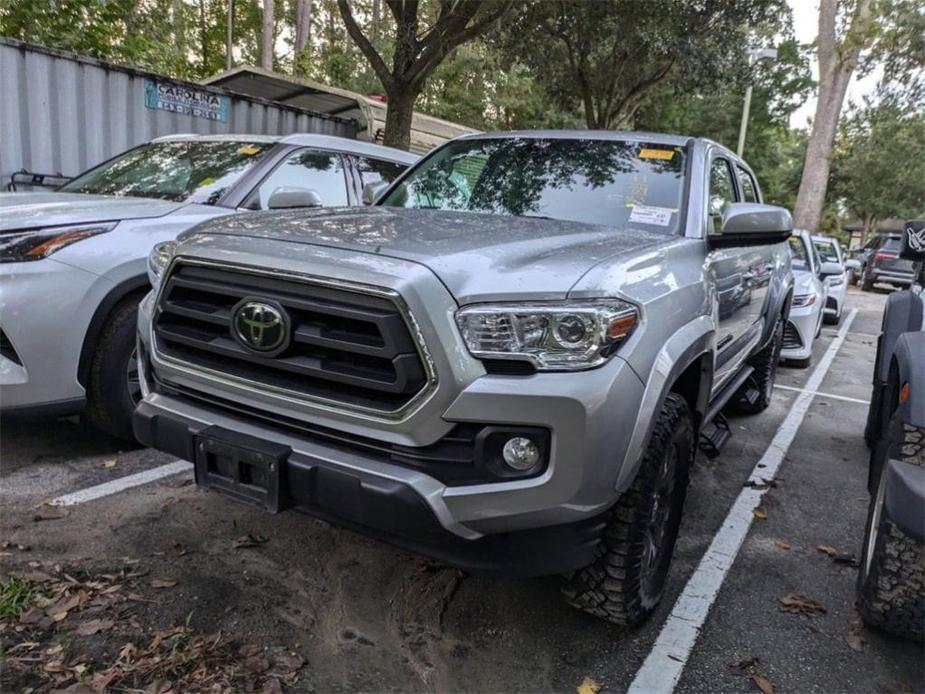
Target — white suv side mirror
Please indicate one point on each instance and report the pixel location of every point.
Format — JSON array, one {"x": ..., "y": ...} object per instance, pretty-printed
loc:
[{"x": 287, "y": 197}]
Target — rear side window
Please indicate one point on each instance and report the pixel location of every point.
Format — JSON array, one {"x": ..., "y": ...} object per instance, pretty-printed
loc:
[
  {"x": 375, "y": 170},
  {"x": 749, "y": 189},
  {"x": 893, "y": 244}
]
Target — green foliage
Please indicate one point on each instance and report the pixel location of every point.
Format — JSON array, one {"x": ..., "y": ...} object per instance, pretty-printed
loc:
[
  {"x": 877, "y": 167},
  {"x": 606, "y": 57},
  {"x": 15, "y": 596}
]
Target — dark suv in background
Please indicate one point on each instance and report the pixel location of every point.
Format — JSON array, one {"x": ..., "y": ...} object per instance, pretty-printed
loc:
[{"x": 880, "y": 262}]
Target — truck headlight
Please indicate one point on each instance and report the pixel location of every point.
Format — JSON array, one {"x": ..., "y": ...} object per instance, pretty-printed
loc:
[
  {"x": 158, "y": 259},
  {"x": 835, "y": 280},
  {"x": 804, "y": 300},
  {"x": 35, "y": 244},
  {"x": 553, "y": 337}
]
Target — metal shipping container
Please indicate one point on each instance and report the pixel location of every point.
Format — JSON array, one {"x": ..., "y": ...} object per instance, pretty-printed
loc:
[{"x": 62, "y": 114}]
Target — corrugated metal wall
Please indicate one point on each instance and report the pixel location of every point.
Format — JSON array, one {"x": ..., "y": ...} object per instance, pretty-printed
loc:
[{"x": 61, "y": 113}]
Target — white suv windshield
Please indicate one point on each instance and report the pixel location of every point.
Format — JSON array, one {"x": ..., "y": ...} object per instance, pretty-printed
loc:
[
  {"x": 606, "y": 182},
  {"x": 178, "y": 171}
]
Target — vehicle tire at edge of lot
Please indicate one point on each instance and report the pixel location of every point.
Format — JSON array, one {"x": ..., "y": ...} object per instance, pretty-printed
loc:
[
  {"x": 867, "y": 285},
  {"x": 109, "y": 400},
  {"x": 891, "y": 581},
  {"x": 800, "y": 363},
  {"x": 762, "y": 379},
  {"x": 625, "y": 583}
]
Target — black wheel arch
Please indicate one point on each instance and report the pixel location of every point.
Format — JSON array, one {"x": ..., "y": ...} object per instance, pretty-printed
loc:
[
  {"x": 134, "y": 285},
  {"x": 909, "y": 358}
]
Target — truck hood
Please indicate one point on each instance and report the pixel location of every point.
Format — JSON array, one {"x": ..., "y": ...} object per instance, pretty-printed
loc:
[
  {"x": 19, "y": 211},
  {"x": 479, "y": 257}
]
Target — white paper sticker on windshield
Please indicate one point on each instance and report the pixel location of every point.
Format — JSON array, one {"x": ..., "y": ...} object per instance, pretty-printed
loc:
[{"x": 657, "y": 216}]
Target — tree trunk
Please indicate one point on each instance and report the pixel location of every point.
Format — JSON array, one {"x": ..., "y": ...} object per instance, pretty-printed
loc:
[
  {"x": 303, "y": 25},
  {"x": 837, "y": 61},
  {"x": 398, "y": 119},
  {"x": 267, "y": 37}
]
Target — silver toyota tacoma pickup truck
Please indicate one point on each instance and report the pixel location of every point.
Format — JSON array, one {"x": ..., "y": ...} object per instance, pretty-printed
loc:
[{"x": 506, "y": 363}]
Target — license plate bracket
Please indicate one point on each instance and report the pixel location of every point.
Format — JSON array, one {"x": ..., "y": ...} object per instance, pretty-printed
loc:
[{"x": 246, "y": 468}]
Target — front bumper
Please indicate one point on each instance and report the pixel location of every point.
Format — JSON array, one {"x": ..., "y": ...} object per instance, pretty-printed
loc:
[
  {"x": 800, "y": 332},
  {"x": 45, "y": 308},
  {"x": 340, "y": 489}
]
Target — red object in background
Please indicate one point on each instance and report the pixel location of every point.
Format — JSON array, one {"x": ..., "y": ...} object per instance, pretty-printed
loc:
[
  {"x": 379, "y": 97},
  {"x": 884, "y": 255}
]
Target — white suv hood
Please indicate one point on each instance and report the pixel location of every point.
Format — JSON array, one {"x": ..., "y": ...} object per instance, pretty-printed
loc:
[{"x": 20, "y": 211}]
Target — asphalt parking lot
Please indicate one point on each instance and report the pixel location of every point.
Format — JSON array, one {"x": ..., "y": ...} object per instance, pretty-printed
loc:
[{"x": 288, "y": 601}]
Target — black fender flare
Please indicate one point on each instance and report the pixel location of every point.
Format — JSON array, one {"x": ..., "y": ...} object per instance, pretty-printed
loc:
[
  {"x": 909, "y": 357},
  {"x": 100, "y": 316},
  {"x": 902, "y": 314}
]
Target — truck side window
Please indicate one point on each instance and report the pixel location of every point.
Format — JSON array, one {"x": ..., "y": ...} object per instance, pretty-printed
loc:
[
  {"x": 722, "y": 191},
  {"x": 314, "y": 169},
  {"x": 749, "y": 190}
]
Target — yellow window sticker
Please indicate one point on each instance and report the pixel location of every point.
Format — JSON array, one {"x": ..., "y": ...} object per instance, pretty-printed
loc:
[
  {"x": 249, "y": 150},
  {"x": 651, "y": 153}
]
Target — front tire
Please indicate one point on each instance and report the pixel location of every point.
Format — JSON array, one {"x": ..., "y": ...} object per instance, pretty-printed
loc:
[
  {"x": 891, "y": 580},
  {"x": 626, "y": 582},
  {"x": 113, "y": 389}
]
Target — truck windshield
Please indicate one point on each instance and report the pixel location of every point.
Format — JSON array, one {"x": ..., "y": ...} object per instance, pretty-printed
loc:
[
  {"x": 606, "y": 182},
  {"x": 179, "y": 171}
]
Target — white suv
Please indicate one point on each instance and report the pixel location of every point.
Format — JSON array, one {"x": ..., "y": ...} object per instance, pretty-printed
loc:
[{"x": 73, "y": 261}]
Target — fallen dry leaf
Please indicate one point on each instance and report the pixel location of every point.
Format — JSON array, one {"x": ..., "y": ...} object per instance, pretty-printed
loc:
[
  {"x": 759, "y": 512},
  {"x": 828, "y": 549},
  {"x": 855, "y": 642},
  {"x": 800, "y": 604},
  {"x": 588, "y": 686},
  {"x": 163, "y": 582},
  {"x": 780, "y": 544},
  {"x": 94, "y": 626},
  {"x": 46, "y": 512},
  {"x": 257, "y": 663},
  {"x": 762, "y": 682},
  {"x": 108, "y": 464},
  {"x": 248, "y": 540}
]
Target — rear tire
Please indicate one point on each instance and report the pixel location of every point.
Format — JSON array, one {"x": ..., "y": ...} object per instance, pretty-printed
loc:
[
  {"x": 891, "y": 580},
  {"x": 112, "y": 391},
  {"x": 866, "y": 283},
  {"x": 762, "y": 379},
  {"x": 626, "y": 582}
]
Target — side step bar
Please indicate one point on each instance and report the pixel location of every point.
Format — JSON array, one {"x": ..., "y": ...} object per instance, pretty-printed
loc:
[{"x": 712, "y": 440}]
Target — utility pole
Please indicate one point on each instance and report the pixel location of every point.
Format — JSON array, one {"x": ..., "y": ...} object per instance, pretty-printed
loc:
[
  {"x": 229, "y": 37},
  {"x": 754, "y": 56}
]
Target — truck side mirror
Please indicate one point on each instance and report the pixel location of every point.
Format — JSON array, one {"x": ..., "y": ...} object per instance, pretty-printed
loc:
[
  {"x": 913, "y": 241},
  {"x": 752, "y": 224},
  {"x": 373, "y": 190},
  {"x": 287, "y": 197}
]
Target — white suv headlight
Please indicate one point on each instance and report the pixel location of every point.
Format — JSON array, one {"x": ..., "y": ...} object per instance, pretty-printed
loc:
[
  {"x": 35, "y": 244},
  {"x": 801, "y": 300},
  {"x": 553, "y": 337},
  {"x": 158, "y": 259}
]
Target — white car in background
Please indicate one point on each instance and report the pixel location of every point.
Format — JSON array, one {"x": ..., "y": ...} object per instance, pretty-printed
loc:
[
  {"x": 835, "y": 272},
  {"x": 73, "y": 263},
  {"x": 809, "y": 296}
]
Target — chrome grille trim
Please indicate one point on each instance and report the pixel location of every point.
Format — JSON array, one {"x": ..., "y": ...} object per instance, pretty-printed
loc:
[{"x": 227, "y": 380}]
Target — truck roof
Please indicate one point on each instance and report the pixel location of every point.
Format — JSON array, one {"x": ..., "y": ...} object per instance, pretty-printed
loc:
[
  {"x": 659, "y": 138},
  {"x": 330, "y": 142}
]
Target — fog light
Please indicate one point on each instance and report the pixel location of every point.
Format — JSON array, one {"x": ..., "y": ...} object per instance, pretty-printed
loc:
[{"x": 520, "y": 453}]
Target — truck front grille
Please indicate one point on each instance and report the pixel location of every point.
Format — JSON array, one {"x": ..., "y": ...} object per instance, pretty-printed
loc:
[{"x": 345, "y": 346}]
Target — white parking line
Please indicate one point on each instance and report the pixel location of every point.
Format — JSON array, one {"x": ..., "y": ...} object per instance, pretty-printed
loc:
[
  {"x": 824, "y": 395},
  {"x": 118, "y": 485},
  {"x": 663, "y": 667}
]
